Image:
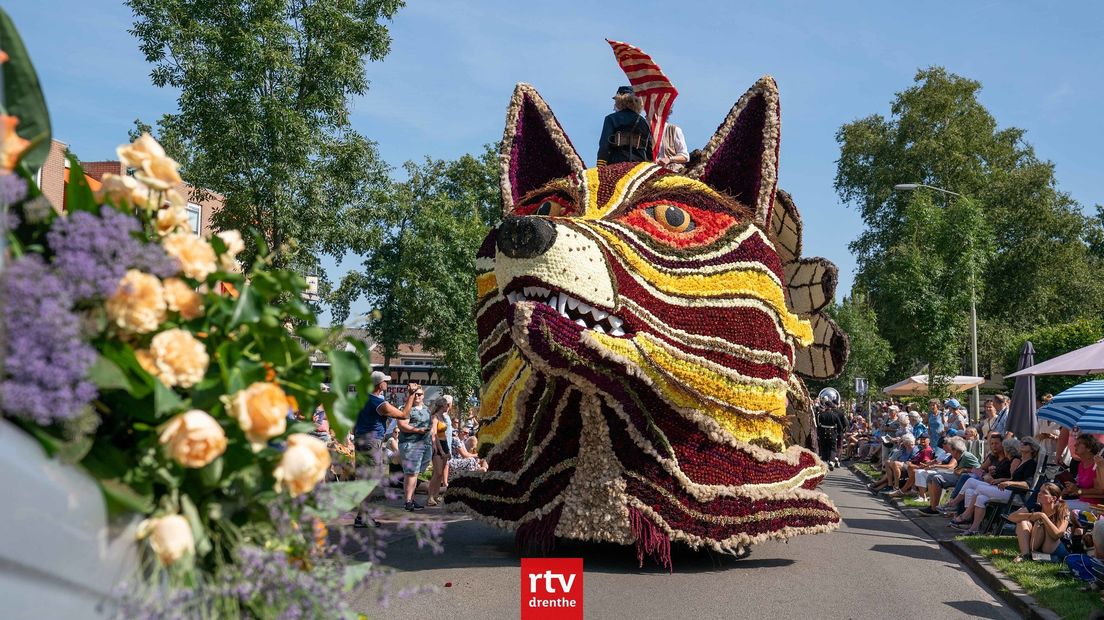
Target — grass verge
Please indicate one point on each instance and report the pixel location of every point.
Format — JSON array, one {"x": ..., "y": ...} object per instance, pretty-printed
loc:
[{"x": 1039, "y": 579}]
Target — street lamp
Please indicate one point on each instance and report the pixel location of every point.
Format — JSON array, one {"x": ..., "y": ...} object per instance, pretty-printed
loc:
[{"x": 908, "y": 187}]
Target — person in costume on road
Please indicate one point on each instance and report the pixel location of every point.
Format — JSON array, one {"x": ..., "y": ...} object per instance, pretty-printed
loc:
[
  {"x": 831, "y": 425},
  {"x": 626, "y": 134}
]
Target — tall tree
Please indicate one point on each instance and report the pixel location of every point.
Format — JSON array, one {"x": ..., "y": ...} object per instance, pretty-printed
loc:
[
  {"x": 871, "y": 354},
  {"x": 1027, "y": 244},
  {"x": 421, "y": 277},
  {"x": 264, "y": 117}
]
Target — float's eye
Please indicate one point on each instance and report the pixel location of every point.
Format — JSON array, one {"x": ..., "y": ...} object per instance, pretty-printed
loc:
[
  {"x": 549, "y": 208},
  {"x": 672, "y": 218}
]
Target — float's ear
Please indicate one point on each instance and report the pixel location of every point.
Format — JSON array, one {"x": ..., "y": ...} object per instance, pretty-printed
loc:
[
  {"x": 535, "y": 149},
  {"x": 741, "y": 159}
]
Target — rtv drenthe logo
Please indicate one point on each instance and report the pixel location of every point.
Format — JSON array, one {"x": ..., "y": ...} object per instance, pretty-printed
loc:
[{"x": 551, "y": 588}]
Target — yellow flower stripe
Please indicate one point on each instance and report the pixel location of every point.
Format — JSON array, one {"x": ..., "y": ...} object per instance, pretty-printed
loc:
[
  {"x": 493, "y": 392},
  {"x": 593, "y": 211},
  {"x": 671, "y": 181},
  {"x": 737, "y": 281},
  {"x": 660, "y": 367},
  {"x": 484, "y": 284}
]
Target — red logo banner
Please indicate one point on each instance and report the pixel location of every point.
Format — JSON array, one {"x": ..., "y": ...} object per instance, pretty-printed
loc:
[{"x": 551, "y": 589}]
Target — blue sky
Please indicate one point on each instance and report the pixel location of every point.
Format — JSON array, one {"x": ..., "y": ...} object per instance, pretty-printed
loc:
[{"x": 443, "y": 89}]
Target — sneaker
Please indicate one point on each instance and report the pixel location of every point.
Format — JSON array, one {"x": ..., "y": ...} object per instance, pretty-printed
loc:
[
  {"x": 971, "y": 533},
  {"x": 945, "y": 509},
  {"x": 926, "y": 510},
  {"x": 965, "y": 527},
  {"x": 895, "y": 494},
  {"x": 831, "y": 467},
  {"x": 413, "y": 506},
  {"x": 361, "y": 523},
  {"x": 432, "y": 502}
]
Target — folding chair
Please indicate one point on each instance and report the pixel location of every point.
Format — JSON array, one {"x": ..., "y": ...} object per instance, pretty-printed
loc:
[{"x": 995, "y": 512}]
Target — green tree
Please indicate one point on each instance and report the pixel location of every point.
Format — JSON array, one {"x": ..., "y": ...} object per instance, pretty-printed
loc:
[
  {"x": 871, "y": 354},
  {"x": 1024, "y": 239},
  {"x": 263, "y": 114},
  {"x": 421, "y": 276}
]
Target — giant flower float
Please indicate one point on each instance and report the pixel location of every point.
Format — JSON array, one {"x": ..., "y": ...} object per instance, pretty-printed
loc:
[{"x": 642, "y": 336}]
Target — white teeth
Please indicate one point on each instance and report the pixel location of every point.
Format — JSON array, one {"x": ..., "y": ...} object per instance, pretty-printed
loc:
[
  {"x": 599, "y": 314},
  {"x": 580, "y": 323},
  {"x": 561, "y": 306},
  {"x": 615, "y": 323},
  {"x": 617, "y": 331},
  {"x": 512, "y": 297},
  {"x": 584, "y": 308},
  {"x": 572, "y": 303},
  {"x": 599, "y": 329},
  {"x": 541, "y": 291},
  {"x": 552, "y": 303}
]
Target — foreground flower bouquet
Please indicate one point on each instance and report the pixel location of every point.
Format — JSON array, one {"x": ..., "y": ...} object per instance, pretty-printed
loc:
[{"x": 139, "y": 351}]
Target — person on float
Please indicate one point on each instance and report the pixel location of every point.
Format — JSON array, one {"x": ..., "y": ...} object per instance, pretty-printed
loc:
[
  {"x": 673, "y": 154},
  {"x": 626, "y": 134}
]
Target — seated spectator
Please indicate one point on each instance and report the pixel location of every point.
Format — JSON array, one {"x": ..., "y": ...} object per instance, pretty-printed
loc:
[
  {"x": 1089, "y": 567},
  {"x": 998, "y": 464},
  {"x": 924, "y": 457},
  {"x": 465, "y": 456},
  {"x": 937, "y": 482},
  {"x": 922, "y": 466},
  {"x": 918, "y": 427},
  {"x": 1042, "y": 529},
  {"x": 978, "y": 493},
  {"x": 1089, "y": 483},
  {"x": 896, "y": 465}
]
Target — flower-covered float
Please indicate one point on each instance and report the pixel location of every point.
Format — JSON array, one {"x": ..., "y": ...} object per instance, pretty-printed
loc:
[{"x": 642, "y": 336}]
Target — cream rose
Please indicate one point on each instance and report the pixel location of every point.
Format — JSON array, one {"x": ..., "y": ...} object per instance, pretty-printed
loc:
[
  {"x": 123, "y": 190},
  {"x": 138, "y": 305},
  {"x": 133, "y": 155},
  {"x": 159, "y": 173},
  {"x": 234, "y": 245},
  {"x": 196, "y": 256},
  {"x": 170, "y": 537},
  {"x": 261, "y": 410},
  {"x": 303, "y": 465},
  {"x": 180, "y": 358},
  {"x": 172, "y": 219},
  {"x": 183, "y": 299},
  {"x": 193, "y": 438}
]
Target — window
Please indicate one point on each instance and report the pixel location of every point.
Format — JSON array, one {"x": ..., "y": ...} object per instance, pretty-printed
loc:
[{"x": 194, "y": 212}]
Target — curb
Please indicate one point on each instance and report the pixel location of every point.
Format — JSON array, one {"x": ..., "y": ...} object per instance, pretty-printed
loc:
[{"x": 1009, "y": 591}]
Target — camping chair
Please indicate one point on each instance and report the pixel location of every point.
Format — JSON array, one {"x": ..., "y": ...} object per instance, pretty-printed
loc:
[
  {"x": 977, "y": 448},
  {"x": 995, "y": 512}
]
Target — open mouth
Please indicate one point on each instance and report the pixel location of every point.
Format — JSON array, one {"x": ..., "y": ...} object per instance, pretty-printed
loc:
[{"x": 572, "y": 309}]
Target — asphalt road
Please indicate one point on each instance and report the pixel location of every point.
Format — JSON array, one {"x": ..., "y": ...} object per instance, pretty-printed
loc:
[{"x": 877, "y": 565}]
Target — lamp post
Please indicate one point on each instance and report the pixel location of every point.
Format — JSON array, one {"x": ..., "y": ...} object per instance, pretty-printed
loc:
[{"x": 976, "y": 397}]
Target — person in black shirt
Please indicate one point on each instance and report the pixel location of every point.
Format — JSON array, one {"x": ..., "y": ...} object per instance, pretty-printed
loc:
[{"x": 626, "y": 135}]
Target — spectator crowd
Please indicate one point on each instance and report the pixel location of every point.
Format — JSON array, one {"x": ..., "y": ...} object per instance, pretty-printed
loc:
[{"x": 1045, "y": 490}]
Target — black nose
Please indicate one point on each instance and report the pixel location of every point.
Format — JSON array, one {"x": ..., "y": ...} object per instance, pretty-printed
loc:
[{"x": 525, "y": 237}]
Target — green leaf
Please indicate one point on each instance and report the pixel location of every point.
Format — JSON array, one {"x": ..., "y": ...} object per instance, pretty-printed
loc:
[
  {"x": 355, "y": 573},
  {"x": 313, "y": 334},
  {"x": 22, "y": 95},
  {"x": 122, "y": 498},
  {"x": 343, "y": 496},
  {"x": 247, "y": 308},
  {"x": 165, "y": 400},
  {"x": 211, "y": 474},
  {"x": 78, "y": 194},
  {"x": 346, "y": 370},
  {"x": 107, "y": 375},
  {"x": 202, "y": 540}
]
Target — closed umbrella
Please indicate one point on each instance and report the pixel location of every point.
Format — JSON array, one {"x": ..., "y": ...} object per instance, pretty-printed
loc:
[
  {"x": 1021, "y": 415},
  {"x": 1067, "y": 407}
]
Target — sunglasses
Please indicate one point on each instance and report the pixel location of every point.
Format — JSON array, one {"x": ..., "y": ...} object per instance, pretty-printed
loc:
[{"x": 419, "y": 393}]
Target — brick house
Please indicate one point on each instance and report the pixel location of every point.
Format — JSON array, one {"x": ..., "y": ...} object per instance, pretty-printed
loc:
[{"x": 54, "y": 175}]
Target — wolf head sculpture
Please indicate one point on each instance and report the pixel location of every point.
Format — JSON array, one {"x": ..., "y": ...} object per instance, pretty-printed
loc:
[{"x": 639, "y": 336}]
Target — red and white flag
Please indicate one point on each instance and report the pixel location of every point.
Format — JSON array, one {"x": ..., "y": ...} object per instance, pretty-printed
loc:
[{"x": 649, "y": 84}]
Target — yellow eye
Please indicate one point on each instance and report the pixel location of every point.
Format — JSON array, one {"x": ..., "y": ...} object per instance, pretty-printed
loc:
[
  {"x": 673, "y": 218},
  {"x": 549, "y": 208}
]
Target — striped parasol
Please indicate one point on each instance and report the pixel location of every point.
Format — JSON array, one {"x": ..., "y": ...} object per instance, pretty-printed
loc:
[
  {"x": 1069, "y": 406},
  {"x": 649, "y": 84}
]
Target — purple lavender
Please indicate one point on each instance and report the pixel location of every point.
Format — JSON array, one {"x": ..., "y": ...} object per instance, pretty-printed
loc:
[
  {"x": 13, "y": 188},
  {"x": 93, "y": 253},
  {"x": 46, "y": 358}
]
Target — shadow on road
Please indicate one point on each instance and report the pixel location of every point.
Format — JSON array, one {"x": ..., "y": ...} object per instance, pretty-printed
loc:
[
  {"x": 470, "y": 544},
  {"x": 977, "y": 609},
  {"x": 893, "y": 526},
  {"x": 914, "y": 552}
]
